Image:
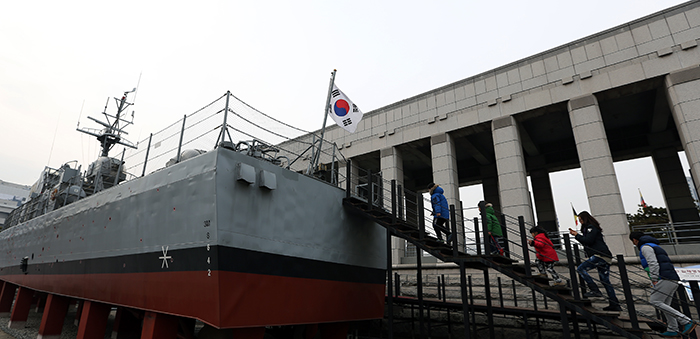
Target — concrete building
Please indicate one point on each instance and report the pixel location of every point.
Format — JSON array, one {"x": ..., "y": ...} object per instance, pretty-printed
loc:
[
  {"x": 631, "y": 91},
  {"x": 11, "y": 196}
]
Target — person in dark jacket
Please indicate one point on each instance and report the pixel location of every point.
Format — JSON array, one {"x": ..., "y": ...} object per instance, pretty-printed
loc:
[
  {"x": 441, "y": 211},
  {"x": 663, "y": 276},
  {"x": 599, "y": 257},
  {"x": 494, "y": 227},
  {"x": 546, "y": 255}
]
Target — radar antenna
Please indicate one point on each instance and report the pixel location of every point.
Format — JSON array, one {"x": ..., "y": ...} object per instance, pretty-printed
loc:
[{"x": 112, "y": 132}]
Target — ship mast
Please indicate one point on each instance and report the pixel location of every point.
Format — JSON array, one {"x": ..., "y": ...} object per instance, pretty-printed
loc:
[{"x": 112, "y": 132}]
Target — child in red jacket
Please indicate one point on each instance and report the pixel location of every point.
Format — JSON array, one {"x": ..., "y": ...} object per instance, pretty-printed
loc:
[{"x": 546, "y": 255}]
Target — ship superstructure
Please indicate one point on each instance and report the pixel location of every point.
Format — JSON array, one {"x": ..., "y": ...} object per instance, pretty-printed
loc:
[{"x": 56, "y": 188}]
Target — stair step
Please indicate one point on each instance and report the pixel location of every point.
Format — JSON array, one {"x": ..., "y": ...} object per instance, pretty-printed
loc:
[
  {"x": 627, "y": 325},
  {"x": 581, "y": 302}
]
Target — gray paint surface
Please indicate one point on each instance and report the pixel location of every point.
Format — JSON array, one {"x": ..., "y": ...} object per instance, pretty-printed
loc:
[{"x": 199, "y": 202}]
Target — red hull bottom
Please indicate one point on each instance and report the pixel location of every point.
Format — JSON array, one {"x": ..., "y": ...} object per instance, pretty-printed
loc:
[{"x": 224, "y": 299}]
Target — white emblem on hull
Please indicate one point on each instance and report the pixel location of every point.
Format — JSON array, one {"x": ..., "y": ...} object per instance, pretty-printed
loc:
[{"x": 165, "y": 257}]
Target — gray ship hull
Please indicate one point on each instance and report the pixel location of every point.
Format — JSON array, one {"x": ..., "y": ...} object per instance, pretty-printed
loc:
[{"x": 229, "y": 239}]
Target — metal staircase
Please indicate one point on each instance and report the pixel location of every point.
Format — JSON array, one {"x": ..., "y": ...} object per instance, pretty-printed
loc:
[{"x": 402, "y": 214}]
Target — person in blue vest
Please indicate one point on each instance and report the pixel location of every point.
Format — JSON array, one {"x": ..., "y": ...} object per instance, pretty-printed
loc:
[
  {"x": 441, "y": 211},
  {"x": 663, "y": 276}
]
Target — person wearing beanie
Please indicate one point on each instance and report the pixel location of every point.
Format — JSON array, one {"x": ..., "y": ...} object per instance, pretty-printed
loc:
[
  {"x": 664, "y": 278},
  {"x": 494, "y": 227},
  {"x": 441, "y": 211}
]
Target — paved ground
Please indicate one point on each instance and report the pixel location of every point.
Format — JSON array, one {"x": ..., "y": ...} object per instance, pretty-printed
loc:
[{"x": 31, "y": 330}]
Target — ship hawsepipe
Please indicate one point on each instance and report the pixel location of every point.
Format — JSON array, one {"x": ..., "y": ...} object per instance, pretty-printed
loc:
[{"x": 229, "y": 239}]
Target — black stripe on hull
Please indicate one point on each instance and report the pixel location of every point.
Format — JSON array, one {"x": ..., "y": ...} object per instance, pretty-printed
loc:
[{"x": 219, "y": 258}]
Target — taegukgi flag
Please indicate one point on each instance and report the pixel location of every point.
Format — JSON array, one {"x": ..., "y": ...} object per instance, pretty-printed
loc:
[{"x": 346, "y": 114}]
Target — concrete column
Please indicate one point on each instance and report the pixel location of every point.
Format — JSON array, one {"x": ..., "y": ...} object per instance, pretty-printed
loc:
[
  {"x": 248, "y": 333},
  {"x": 159, "y": 326},
  {"x": 54, "y": 316},
  {"x": 489, "y": 186},
  {"x": 544, "y": 201},
  {"x": 391, "y": 163},
  {"x": 93, "y": 320},
  {"x": 510, "y": 163},
  {"x": 125, "y": 324},
  {"x": 683, "y": 91},
  {"x": 6, "y": 297},
  {"x": 599, "y": 177},
  {"x": 442, "y": 149},
  {"x": 20, "y": 310},
  {"x": 679, "y": 202},
  {"x": 334, "y": 330}
]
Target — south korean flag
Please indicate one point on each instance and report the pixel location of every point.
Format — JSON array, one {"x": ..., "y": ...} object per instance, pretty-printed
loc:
[{"x": 343, "y": 111}]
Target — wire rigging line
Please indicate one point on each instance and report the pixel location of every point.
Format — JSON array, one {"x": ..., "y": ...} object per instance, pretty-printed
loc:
[
  {"x": 54, "y": 138},
  {"x": 269, "y": 117}
]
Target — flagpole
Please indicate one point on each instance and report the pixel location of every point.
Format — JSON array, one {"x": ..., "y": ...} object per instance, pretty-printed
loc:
[{"x": 315, "y": 157}]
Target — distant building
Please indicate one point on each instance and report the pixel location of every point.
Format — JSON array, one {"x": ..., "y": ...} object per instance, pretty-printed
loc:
[
  {"x": 11, "y": 196},
  {"x": 693, "y": 191}
]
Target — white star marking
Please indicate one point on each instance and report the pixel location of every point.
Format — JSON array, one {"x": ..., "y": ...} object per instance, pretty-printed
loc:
[{"x": 165, "y": 257}]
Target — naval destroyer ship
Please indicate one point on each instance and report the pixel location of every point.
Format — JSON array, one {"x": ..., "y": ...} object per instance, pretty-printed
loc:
[{"x": 229, "y": 236}]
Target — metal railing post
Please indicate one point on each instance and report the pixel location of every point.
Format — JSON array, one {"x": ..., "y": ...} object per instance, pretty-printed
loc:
[
  {"x": 444, "y": 299},
  {"x": 526, "y": 250},
  {"x": 683, "y": 301},
  {"x": 370, "y": 190},
  {"x": 572, "y": 269},
  {"x": 333, "y": 174},
  {"x": 400, "y": 201},
  {"x": 515, "y": 295},
  {"x": 471, "y": 301},
  {"x": 577, "y": 256},
  {"x": 453, "y": 223},
  {"x": 148, "y": 150},
  {"x": 390, "y": 298},
  {"x": 504, "y": 228},
  {"x": 421, "y": 217},
  {"x": 564, "y": 320},
  {"x": 477, "y": 237},
  {"x": 419, "y": 288},
  {"x": 394, "y": 212},
  {"x": 464, "y": 227},
  {"x": 489, "y": 306},
  {"x": 119, "y": 170},
  {"x": 500, "y": 291},
  {"x": 696, "y": 294},
  {"x": 348, "y": 177},
  {"x": 397, "y": 284},
  {"x": 628, "y": 291},
  {"x": 463, "y": 290},
  {"x": 182, "y": 134},
  {"x": 224, "y": 126},
  {"x": 487, "y": 237}
]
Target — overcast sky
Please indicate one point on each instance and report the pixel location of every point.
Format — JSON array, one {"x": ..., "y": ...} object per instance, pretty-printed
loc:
[{"x": 59, "y": 56}]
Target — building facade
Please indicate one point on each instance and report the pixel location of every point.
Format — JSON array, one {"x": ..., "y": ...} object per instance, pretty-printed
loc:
[
  {"x": 11, "y": 196},
  {"x": 631, "y": 91}
]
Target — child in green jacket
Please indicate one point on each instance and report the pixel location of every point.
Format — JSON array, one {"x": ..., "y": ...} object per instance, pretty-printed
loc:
[{"x": 494, "y": 227}]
